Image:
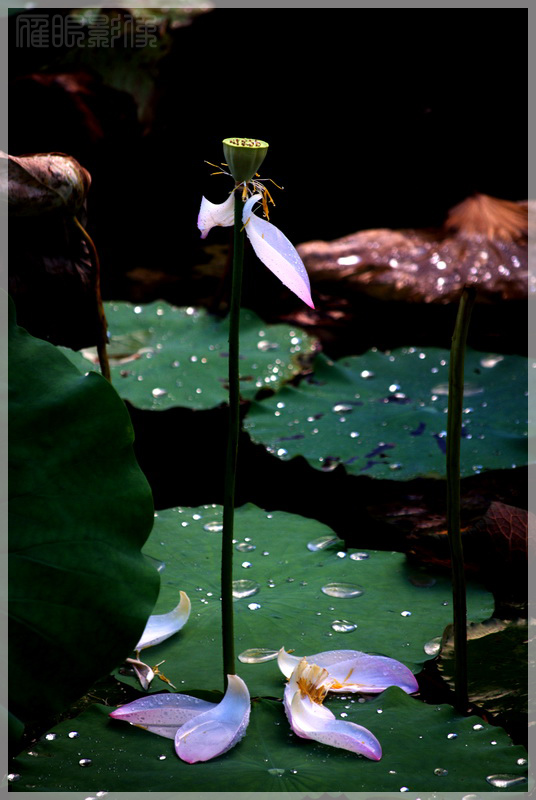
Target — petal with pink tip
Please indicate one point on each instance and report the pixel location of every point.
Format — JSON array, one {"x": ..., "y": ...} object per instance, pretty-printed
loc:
[
  {"x": 161, "y": 626},
  {"x": 162, "y": 714},
  {"x": 276, "y": 252},
  {"x": 213, "y": 214},
  {"x": 354, "y": 671},
  {"x": 213, "y": 733},
  {"x": 312, "y": 720}
]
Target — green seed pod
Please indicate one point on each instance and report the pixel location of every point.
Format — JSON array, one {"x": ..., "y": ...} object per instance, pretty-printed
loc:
[{"x": 244, "y": 157}]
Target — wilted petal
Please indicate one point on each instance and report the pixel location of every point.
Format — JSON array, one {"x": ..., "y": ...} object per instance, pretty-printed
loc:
[
  {"x": 144, "y": 672},
  {"x": 162, "y": 714},
  {"x": 353, "y": 671},
  {"x": 276, "y": 252},
  {"x": 312, "y": 720},
  {"x": 161, "y": 626},
  {"x": 212, "y": 214},
  {"x": 213, "y": 733}
]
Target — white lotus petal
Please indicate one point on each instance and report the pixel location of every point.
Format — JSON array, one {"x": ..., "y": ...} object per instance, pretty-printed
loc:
[
  {"x": 213, "y": 733},
  {"x": 161, "y": 626},
  {"x": 162, "y": 714},
  {"x": 306, "y": 716},
  {"x": 212, "y": 214},
  {"x": 276, "y": 252},
  {"x": 354, "y": 671}
]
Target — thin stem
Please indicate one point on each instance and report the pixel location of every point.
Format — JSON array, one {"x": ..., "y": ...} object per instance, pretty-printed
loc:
[
  {"x": 102, "y": 325},
  {"x": 232, "y": 446},
  {"x": 454, "y": 431}
]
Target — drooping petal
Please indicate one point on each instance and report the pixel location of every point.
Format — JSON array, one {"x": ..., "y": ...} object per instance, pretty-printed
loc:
[
  {"x": 354, "y": 671},
  {"x": 276, "y": 252},
  {"x": 162, "y": 714},
  {"x": 161, "y": 626},
  {"x": 311, "y": 720},
  {"x": 212, "y": 214},
  {"x": 213, "y": 733}
]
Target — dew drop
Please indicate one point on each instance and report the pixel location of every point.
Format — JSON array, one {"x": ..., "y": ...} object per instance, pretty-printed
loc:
[
  {"x": 342, "y": 408},
  {"x": 254, "y": 606},
  {"x": 379, "y": 711},
  {"x": 522, "y": 762},
  {"x": 257, "y": 655},
  {"x": 341, "y": 554},
  {"x": 213, "y": 527},
  {"x": 452, "y": 735},
  {"x": 322, "y": 543},
  {"x": 13, "y": 776},
  {"x": 433, "y": 647},
  {"x": 404, "y": 789},
  {"x": 85, "y": 762},
  {"x": 73, "y": 734},
  {"x": 157, "y": 392},
  {"x": 359, "y": 556},
  {"x": 245, "y": 547},
  {"x": 469, "y": 389},
  {"x": 264, "y": 345},
  {"x": 162, "y": 757},
  {"x": 344, "y": 714},
  {"x": 246, "y": 564},
  {"x": 276, "y": 771},
  {"x": 405, "y": 613},
  {"x": 343, "y": 626},
  {"x": 354, "y": 434},
  {"x": 50, "y": 736},
  {"x": 441, "y": 771},
  {"x": 343, "y": 590},
  {"x": 422, "y": 581},
  {"x": 506, "y": 781},
  {"x": 478, "y": 727},
  {"x": 367, "y": 374},
  {"x": 245, "y": 588}
]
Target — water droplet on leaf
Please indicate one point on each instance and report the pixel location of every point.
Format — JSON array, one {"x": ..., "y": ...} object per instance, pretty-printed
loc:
[
  {"x": 343, "y": 626},
  {"x": 257, "y": 655},
  {"x": 245, "y": 588},
  {"x": 343, "y": 590}
]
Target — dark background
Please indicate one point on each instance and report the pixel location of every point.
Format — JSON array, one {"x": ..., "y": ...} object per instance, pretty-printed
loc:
[{"x": 374, "y": 119}]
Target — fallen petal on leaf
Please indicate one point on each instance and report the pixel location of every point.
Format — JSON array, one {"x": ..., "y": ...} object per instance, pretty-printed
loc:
[
  {"x": 354, "y": 671},
  {"x": 162, "y": 714},
  {"x": 161, "y": 626},
  {"x": 213, "y": 733}
]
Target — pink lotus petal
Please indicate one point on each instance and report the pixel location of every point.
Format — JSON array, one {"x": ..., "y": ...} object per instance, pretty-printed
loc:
[
  {"x": 212, "y": 214},
  {"x": 162, "y": 714},
  {"x": 161, "y": 626},
  {"x": 354, "y": 671},
  {"x": 276, "y": 252},
  {"x": 144, "y": 673},
  {"x": 312, "y": 720},
  {"x": 213, "y": 733}
]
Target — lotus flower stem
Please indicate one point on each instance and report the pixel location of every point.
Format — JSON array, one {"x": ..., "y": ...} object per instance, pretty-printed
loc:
[
  {"x": 232, "y": 444},
  {"x": 102, "y": 325},
  {"x": 454, "y": 431}
]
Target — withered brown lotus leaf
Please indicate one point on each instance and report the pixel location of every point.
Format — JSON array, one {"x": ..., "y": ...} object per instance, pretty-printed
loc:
[
  {"x": 483, "y": 243},
  {"x": 43, "y": 182}
]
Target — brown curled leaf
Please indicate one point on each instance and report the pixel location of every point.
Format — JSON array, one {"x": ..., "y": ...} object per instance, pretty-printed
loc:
[
  {"x": 483, "y": 243},
  {"x": 37, "y": 184}
]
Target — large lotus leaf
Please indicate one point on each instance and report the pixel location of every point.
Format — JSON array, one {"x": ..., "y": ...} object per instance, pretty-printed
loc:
[
  {"x": 80, "y": 511},
  {"x": 425, "y": 748},
  {"x": 399, "y": 612},
  {"x": 163, "y": 356},
  {"x": 384, "y": 414}
]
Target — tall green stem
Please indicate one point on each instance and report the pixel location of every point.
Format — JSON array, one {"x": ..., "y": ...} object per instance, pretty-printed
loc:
[
  {"x": 454, "y": 431},
  {"x": 232, "y": 445}
]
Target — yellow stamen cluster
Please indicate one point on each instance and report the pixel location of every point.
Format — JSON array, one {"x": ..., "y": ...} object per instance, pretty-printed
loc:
[{"x": 312, "y": 682}]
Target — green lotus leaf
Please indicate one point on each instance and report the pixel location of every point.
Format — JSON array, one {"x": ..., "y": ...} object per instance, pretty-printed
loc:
[
  {"x": 376, "y": 601},
  {"x": 425, "y": 748},
  {"x": 383, "y": 415},
  {"x": 80, "y": 590},
  {"x": 163, "y": 356}
]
